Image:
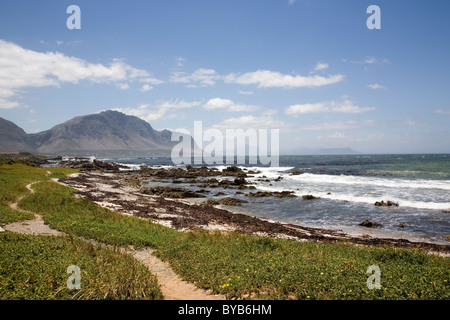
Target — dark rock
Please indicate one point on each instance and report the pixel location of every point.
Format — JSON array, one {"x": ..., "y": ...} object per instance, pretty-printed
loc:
[
  {"x": 259, "y": 194},
  {"x": 386, "y": 204},
  {"x": 228, "y": 201},
  {"x": 170, "y": 192},
  {"x": 284, "y": 194},
  {"x": 240, "y": 181},
  {"x": 233, "y": 172},
  {"x": 309, "y": 197},
  {"x": 369, "y": 224}
]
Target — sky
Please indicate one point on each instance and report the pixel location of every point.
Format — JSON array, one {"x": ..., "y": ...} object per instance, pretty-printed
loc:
[{"x": 311, "y": 68}]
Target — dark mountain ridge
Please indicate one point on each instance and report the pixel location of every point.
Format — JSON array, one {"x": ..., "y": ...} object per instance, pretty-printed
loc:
[{"x": 108, "y": 133}]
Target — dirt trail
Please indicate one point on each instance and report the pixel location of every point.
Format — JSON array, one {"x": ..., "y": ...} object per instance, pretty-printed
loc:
[
  {"x": 35, "y": 226},
  {"x": 171, "y": 285}
]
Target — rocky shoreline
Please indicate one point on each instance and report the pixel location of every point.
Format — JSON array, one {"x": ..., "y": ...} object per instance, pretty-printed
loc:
[{"x": 121, "y": 190}]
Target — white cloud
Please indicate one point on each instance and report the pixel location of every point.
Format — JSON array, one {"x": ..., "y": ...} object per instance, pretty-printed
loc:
[
  {"x": 21, "y": 68},
  {"x": 150, "y": 80},
  {"x": 231, "y": 106},
  {"x": 342, "y": 137},
  {"x": 245, "y": 92},
  {"x": 123, "y": 86},
  {"x": 340, "y": 125},
  {"x": 182, "y": 130},
  {"x": 146, "y": 87},
  {"x": 268, "y": 79},
  {"x": 321, "y": 66},
  {"x": 159, "y": 111},
  {"x": 413, "y": 123},
  {"x": 245, "y": 122},
  {"x": 376, "y": 86},
  {"x": 442, "y": 111},
  {"x": 368, "y": 60},
  {"x": 270, "y": 112},
  {"x": 179, "y": 61},
  {"x": 203, "y": 77},
  {"x": 291, "y": 2},
  {"x": 7, "y": 104},
  {"x": 344, "y": 106}
]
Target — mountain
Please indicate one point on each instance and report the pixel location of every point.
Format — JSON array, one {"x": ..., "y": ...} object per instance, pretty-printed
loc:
[
  {"x": 109, "y": 133},
  {"x": 12, "y": 137}
]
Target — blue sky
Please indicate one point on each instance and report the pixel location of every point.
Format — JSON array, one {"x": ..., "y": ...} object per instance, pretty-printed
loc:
[{"x": 311, "y": 68}]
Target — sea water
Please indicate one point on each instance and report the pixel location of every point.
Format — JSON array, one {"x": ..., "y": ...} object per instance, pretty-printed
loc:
[{"x": 346, "y": 188}]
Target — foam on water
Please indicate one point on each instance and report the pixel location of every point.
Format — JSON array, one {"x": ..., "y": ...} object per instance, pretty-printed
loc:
[{"x": 422, "y": 194}]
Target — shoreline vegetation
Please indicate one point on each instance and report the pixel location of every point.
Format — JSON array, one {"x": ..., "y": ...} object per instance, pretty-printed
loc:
[{"x": 235, "y": 255}]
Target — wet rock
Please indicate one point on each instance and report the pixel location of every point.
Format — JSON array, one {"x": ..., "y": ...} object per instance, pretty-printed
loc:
[
  {"x": 369, "y": 224},
  {"x": 228, "y": 201},
  {"x": 309, "y": 197},
  {"x": 259, "y": 194},
  {"x": 386, "y": 204},
  {"x": 86, "y": 165},
  {"x": 178, "y": 173},
  {"x": 240, "y": 181},
  {"x": 296, "y": 173},
  {"x": 233, "y": 172},
  {"x": 170, "y": 192},
  {"x": 284, "y": 194}
]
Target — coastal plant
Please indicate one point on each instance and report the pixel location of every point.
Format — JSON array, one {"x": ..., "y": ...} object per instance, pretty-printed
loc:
[
  {"x": 35, "y": 268},
  {"x": 247, "y": 267}
]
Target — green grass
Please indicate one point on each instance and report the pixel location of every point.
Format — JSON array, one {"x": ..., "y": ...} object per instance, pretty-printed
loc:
[
  {"x": 248, "y": 266},
  {"x": 13, "y": 179},
  {"x": 35, "y": 268},
  {"x": 8, "y": 215},
  {"x": 82, "y": 217},
  {"x": 254, "y": 267}
]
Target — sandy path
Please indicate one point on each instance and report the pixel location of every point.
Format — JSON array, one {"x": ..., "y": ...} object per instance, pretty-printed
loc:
[
  {"x": 171, "y": 285},
  {"x": 35, "y": 226}
]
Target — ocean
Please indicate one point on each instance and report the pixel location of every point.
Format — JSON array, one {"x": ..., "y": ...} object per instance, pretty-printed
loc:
[{"x": 346, "y": 188}]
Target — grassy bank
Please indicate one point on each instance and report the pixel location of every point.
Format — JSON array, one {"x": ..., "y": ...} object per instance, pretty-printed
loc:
[
  {"x": 242, "y": 266},
  {"x": 255, "y": 267},
  {"x": 35, "y": 267}
]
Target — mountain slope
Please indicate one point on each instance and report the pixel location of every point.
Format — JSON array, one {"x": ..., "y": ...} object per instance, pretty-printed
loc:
[
  {"x": 105, "y": 133},
  {"x": 12, "y": 137}
]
